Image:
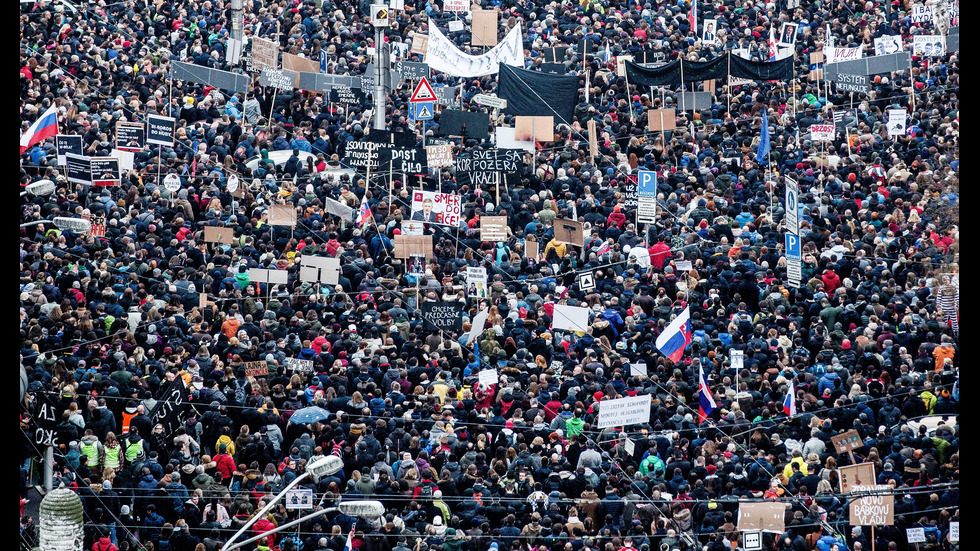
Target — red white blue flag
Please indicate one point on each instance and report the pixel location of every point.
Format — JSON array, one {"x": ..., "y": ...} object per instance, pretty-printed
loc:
[
  {"x": 676, "y": 337},
  {"x": 46, "y": 126},
  {"x": 365, "y": 214},
  {"x": 706, "y": 402},
  {"x": 789, "y": 403}
]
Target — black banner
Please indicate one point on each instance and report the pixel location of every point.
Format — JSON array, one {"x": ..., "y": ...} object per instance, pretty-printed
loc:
[
  {"x": 66, "y": 143},
  {"x": 397, "y": 139},
  {"x": 160, "y": 130},
  {"x": 170, "y": 406},
  {"x": 535, "y": 94},
  {"x": 453, "y": 122},
  {"x": 46, "y": 417},
  {"x": 78, "y": 169},
  {"x": 130, "y": 136},
  {"x": 347, "y": 95},
  {"x": 360, "y": 153},
  {"x": 443, "y": 316},
  {"x": 403, "y": 160}
]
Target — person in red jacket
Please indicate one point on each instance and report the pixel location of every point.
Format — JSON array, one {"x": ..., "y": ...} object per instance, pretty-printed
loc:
[
  {"x": 659, "y": 253},
  {"x": 262, "y": 526},
  {"x": 831, "y": 281},
  {"x": 104, "y": 544},
  {"x": 616, "y": 218},
  {"x": 225, "y": 463}
]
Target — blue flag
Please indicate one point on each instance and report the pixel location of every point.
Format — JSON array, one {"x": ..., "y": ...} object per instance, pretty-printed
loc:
[{"x": 764, "y": 141}]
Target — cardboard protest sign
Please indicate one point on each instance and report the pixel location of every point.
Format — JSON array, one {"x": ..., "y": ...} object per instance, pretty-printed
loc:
[
  {"x": 299, "y": 64},
  {"x": 439, "y": 155},
  {"x": 493, "y": 228},
  {"x": 436, "y": 208},
  {"x": 878, "y": 510},
  {"x": 621, "y": 64},
  {"x": 570, "y": 318},
  {"x": 218, "y": 234},
  {"x": 593, "y": 138},
  {"x": 768, "y": 517},
  {"x": 407, "y": 245},
  {"x": 531, "y": 249},
  {"x": 539, "y": 129},
  {"x": 282, "y": 215},
  {"x": 130, "y": 136},
  {"x": 265, "y": 54},
  {"x": 442, "y": 316},
  {"x": 105, "y": 171},
  {"x": 420, "y": 43},
  {"x": 845, "y": 442},
  {"x": 570, "y": 232},
  {"x": 661, "y": 120},
  {"x": 256, "y": 369},
  {"x": 622, "y": 412},
  {"x": 484, "y": 27},
  {"x": 860, "y": 475}
]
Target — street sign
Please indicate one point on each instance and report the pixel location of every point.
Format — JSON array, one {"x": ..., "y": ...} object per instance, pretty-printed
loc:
[
  {"x": 646, "y": 201},
  {"x": 647, "y": 180},
  {"x": 323, "y": 61},
  {"x": 423, "y": 111},
  {"x": 379, "y": 15},
  {"x": 752, "y": 541},
  {"x": 423, "y": 92},
  {"x": 490, "y": 101},
  {"x": 792, "y": 216},
  {"x": 793, "y": 247}
]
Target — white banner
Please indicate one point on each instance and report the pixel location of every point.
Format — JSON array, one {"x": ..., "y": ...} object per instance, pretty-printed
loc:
[
  {"x": 624, "y": 411},
  {"x": 442, "y": 55},
  {"x": 436, "y": 208},
  {"x": 822, "y": 132},
  {"x": 928, "y": 45},
  {"x": 456, "y": 6},
  {"x": 888, "y": 44},
  {"x": 570, "y": 318},
  {"x": 897, "y": 122},
  {"x": 836, "y": 55},
  {"x": 489, "y": 377}
]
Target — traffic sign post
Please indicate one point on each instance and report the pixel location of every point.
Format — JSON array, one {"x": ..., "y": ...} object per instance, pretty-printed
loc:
[
  {"x": 423, "y": 111},
  {"x": 794, "y": 259},
  {"x": 646, "y": 201},
  {"x": 792, "y": 216},
  {"x": 423, "y": 92}
]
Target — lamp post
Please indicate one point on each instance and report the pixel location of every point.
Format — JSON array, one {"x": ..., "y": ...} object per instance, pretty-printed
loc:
[{"x": 318, "y": 469}]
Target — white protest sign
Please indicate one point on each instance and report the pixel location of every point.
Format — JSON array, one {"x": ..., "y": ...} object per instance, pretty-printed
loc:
[
  {"x": 684, "y": 266},
  {"x": 878, "y": 510},
  {"x": 232, "y": 183},
  {"x": 477, "y": 328},
  {"x": 822, "y": 132},
  {"x": 738, "y": 359},
  {"x": 570, "y": 318},
  {"x": 928, "y": 45},
  {"x": 630, "y": 446},
  {"x": 455, "y": 6},
  {"x": 836, "y": 55},
  {"x": 171, "y": 182},
  {"x": 638, "y": 368},
  {"x": 954, "y": 531},
  {"x": 621, "y": 412},
  {"x": 489, "y": 377},
  {"x": 916, "y": 535},
  {"x": 888, "y": 44},
  {"x": 921, "y": 14},
  {"x": 897, "y": 122}
]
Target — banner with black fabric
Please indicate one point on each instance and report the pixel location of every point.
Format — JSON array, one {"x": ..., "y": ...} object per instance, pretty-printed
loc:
[
  {"x": 534, "y": 93},
  {"x": 481, "y": 166},
  {"x": 403, "y": 160},
  {"x": 170, "y": 405},
  {"x": 719, "y": 68},
  {"x": 442, "y": 316}
]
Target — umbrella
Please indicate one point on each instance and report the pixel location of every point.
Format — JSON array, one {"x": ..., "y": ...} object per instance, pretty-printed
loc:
[{"x": 310, "y": 414}]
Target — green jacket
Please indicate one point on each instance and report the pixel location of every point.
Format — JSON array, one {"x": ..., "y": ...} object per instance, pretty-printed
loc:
[{"x": 574, "y": 426}]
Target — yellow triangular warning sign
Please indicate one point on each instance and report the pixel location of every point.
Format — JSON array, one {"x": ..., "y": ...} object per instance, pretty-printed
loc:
[{"x": 423, "y": 92}]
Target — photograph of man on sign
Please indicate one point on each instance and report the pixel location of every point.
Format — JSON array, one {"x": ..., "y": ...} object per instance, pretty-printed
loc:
[{"x": 426, "y": 214}]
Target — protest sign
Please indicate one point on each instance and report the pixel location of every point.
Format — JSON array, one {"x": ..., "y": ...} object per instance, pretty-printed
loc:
[
  {"x": 878, "y": 510},
  {"x": 570, "y": 232},
  {"x": 897, "y": 122},
  {"x": 915, "y": 535},
  {"x": 170, "y": 406},
  {"x": 66, "y": 143},
  {"x": 297, "y": 64},
  {"x": 160, "y": 130},
  {"x": 256, "y": 369},
  {"x": 928, "y": 45},
  {"x": 570, "y": 318},
  {"x": 280, "y": 80},
  {"x": 420, "y": 43},
  {"x": 298, "y": 364},
  {"x": 130, "y": 136},
  {"x": 78, "y": 169},
  {"x": 412, "y": 228},
  {"x": 860, "y": 475},
  {"x": 416, "y": 265},
  {"x": 298, "y": 499},
  {"x": 767, "y": 517},
  {"x": 493, "y": 228},
  {"x": 851, "y": 83},
  {"x": 848, "y": 441},
  {"x": 403, "y": 160},
  {"x": 105, "y": 171},
  {"x": 661, "y": 120},
  {"x": 443, "y": 316},
  {"x": 219, "y": 234},
  {"x": 439, "y": 156},
  {"x": 484, "y": 29},
  {"x": 738, "y": 359},
  {"x": 622, "y": 412},
  {"x": 638, "y": 369},
  {"x": 265, "y": 54},
  {"x": 489, "y": 377},
  {"x": 282, "y": 215},
  {"x": 347, "y": 95},
  {"x": 476, "y": 282},
  {"x": 436, "y": 208},
  {"x": 822, "y": 132},
  {"x": 456, "y": 6},
  {"x": 921, "y": 14},
  {"x": 407, "y": 245},
  {"x": 888, "y": 44}
]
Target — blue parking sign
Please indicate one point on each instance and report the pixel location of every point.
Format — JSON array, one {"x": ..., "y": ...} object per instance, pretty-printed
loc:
[
  {"x": 793, "y": 251},
  {"x": 646, "y": 183},
  {"x": 323, "y": 61}
]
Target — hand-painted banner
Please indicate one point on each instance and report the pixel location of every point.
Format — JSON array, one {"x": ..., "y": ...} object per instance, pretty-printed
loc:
[{"x": 443, "y": 55}]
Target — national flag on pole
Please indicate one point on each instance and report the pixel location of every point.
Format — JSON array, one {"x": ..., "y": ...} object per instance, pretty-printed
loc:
[
  {"x": 349, "y": 546},
  {"x": 676, "y": 337},
  {"x": 764, "y": 139},
  {"x": 46, "y": 126},
  {"x": 706, "y": 402},
  {"x": 789, "y": 403},
  {"x": 692, "y": 17},
  {"x": 603, "y": 248},
  {"x": 773, "y": 48},
  {"x": 365, "y": 214}
]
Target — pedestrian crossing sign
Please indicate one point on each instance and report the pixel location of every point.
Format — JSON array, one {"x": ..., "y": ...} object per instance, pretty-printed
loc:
[{"x": 423, "y": 111}]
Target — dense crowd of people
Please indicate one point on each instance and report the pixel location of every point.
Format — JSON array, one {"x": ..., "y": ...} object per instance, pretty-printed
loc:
[{"x": 868, "y": 341}]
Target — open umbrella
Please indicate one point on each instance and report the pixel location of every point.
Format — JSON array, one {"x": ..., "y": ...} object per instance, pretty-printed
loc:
[{"x": 310, "y": 414}]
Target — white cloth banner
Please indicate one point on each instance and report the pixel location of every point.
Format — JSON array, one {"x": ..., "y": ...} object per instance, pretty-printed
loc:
[
  {"x": 570, "y": 318},
  {"x": 624, "y": 411},
  {"x": 442, "y": 55}
]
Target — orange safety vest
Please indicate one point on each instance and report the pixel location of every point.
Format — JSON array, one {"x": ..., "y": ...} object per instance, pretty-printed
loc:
[{"x": 127, "y": 417}]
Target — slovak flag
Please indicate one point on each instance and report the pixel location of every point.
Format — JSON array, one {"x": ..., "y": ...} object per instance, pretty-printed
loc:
[
  {"x": 46, "y": 126},
  {"x": 349, "y": 546},
  {"x": 365, "y": 214},
  {"x": 603, "y": 248},
  {"x": 692, "y": 17},
  {"x": 706, "y": 402},
  {"x": 676, "y": 337},
  {"x": 773, "y": 49},
  {"x": 789, "y": 403}
]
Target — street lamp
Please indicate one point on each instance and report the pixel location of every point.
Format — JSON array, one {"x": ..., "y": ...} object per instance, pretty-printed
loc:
[{"x": 318, "y": 468}]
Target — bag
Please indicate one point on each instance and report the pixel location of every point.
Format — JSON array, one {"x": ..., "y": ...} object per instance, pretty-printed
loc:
[{"x": 425, "y": 492}]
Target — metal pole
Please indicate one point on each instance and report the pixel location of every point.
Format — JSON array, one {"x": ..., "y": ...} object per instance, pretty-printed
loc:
[
  {"x": 264, "y": 510},
  {"x": 278, "y": 528},
  {"x": 379, "y": 85},
  {"x": 236, "y": 41},
  {"x": 49, "y": 468}
]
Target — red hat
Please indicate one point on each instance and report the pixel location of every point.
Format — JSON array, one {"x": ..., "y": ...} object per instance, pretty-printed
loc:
[
  {"x": 846, "y": 345},
  {"x": 397, "y": 231},
  {"x": 509, "y": 424},
  {"x": 598, "y": 395},
  {"x": 711, "y": 469},
  {"x": 703, "y": 224},
  {"x": 852, "y": 177}
]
